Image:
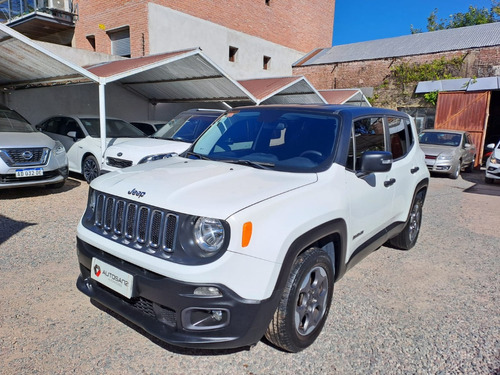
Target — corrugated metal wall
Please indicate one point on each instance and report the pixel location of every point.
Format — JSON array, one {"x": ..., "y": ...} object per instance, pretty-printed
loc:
[{"x": 464, "y": 111}]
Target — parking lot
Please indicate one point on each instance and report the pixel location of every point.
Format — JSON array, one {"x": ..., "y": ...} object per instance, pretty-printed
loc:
[{"x": 432, "y": 310}]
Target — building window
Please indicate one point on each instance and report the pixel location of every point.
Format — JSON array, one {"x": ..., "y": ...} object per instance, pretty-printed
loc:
[
  {"x": 266, "y": 63},
  {"x": 120, "y": 41},
  {"x": 232, "y": 53},
  {"x": 91, "y": 40}
]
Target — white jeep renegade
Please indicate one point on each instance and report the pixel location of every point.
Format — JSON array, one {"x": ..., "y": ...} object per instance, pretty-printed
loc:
[{"x": 245, "y": 234}]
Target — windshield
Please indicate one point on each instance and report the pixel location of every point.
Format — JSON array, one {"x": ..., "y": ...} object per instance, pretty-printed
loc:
[
  {"x": 114, "y": 128},
  {"x": 185, "y": 128},
  {"x": 440, "y": 138},
  {"x": 11, "y": 121},
  {"x": 277, "y": 139}
]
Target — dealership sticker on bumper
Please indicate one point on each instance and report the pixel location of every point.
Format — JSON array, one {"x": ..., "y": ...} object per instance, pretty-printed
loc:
[
  {"x": 29, "y": 172},
  {"x": 112, "y": 277}
]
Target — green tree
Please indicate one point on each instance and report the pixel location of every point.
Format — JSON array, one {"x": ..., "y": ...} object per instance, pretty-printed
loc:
[{"x": 474, "y": 16}]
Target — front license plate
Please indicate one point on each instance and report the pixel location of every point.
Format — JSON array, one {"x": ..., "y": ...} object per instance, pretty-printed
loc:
[
  {"x": 29, "y": 172},
  {"x": 112, "y": 277}
]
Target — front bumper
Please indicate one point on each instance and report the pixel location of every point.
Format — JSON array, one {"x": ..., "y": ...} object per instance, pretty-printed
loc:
[
  {"x": 9, "y": 180},
  {"x": 493, "y": 171},
  {"x": 169, "y": 310},
  {"x": 435, "y": 166}
]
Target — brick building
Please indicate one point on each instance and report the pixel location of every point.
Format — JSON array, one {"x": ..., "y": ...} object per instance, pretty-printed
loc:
[{"x": 246, "y": 38}]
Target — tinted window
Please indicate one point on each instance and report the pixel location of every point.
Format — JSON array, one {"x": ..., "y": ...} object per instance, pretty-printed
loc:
[
  {"x": 283, "y": 140},
  {"x": 368, "y": 135},
  {"x": 400, "y": 136},
  {"x": 11, "y": 121},
  {"x": 114, "y": 128}
]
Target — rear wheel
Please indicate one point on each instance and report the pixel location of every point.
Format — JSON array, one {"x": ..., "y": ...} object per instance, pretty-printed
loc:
[
  {"x": 90, "y": 168},
  {"x": 470, "y": 167},
  {"x": 305, "y": 303},
  {"x": 408, "y": 237}
]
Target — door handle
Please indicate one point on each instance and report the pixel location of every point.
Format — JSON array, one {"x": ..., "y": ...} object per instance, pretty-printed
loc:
[
  {"x": 389, "y": 182},
  {"x": 414, "y": 170}
]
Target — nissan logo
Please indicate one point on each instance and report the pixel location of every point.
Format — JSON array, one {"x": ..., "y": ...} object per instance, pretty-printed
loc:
[{"x": 27, "y": 155}]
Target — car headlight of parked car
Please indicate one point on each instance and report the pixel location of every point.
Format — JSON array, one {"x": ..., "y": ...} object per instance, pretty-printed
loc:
[
  {"x": 494, "y": 160},
  {"x": 209, "y": 235},
  {"x": 445, "y": 157},
  {"x": 59, "y": 148},
  {"x": 149, "y": 158}
]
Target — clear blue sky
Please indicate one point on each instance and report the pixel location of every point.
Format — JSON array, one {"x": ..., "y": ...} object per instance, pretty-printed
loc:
[{"x": 362, "y": 20}]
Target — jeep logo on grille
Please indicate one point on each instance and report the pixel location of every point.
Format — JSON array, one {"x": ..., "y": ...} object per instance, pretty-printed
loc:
[
  {"x": 137, "y": 193},
  {"x": 27, "y": 155}
]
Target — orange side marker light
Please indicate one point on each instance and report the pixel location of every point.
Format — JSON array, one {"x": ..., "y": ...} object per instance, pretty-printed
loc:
[{"x": 247, "y": 234}]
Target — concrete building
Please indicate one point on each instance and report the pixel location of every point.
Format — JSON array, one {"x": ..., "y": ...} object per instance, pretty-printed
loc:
[{"x": 245, "y": 38}]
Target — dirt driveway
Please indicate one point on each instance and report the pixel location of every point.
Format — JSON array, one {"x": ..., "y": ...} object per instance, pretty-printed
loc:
[{"x": 432, "y": 310}]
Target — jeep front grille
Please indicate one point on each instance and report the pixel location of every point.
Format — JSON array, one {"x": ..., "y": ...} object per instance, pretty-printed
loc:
[
  {"x": 118, "y": 163},
  {"x": 136, "y": 225},
  {"x": 22, "y": 157}
]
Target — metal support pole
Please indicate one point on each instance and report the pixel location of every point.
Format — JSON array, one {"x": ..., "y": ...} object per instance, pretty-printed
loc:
[{"x": 102, "y": 119}]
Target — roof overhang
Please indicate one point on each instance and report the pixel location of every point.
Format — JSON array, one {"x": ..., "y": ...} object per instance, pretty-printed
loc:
[
  {"x": 25, "y": 64},
  {"x": 346, "y": 96},
  {"x": 179, "y": 76},
  {"x": 283, "y": 90},
  {"x": 461, "y": 84}
]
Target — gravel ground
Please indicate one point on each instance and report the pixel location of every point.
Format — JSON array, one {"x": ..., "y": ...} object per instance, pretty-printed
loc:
[{"x": 432, "y": 310}]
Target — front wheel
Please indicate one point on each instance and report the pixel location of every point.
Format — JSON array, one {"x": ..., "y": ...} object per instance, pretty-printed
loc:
[
  {"x": 305, "y": 303},
  {"x": 456, "y": 171},
  {"x": 90, "y": 168}
]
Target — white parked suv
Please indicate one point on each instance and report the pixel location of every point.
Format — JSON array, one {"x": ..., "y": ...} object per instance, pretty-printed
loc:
[
  {"x": 28, "y": 157},
  {"x": 173, "y": 138},
  {"x": 245, "y": 234}
]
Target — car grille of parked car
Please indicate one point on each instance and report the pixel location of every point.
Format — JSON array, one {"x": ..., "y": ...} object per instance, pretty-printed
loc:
[
  {"x": 135, "y": 225},
  {"x": 118, "y": 163},
  {"x": 21, "y": 157}
]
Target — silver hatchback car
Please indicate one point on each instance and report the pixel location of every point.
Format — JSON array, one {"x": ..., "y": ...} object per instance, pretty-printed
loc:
[
  {"x": 448, "y": 151},
  {"x": 28, "y": 157}
]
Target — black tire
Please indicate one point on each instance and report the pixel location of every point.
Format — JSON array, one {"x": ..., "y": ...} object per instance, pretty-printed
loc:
[
  {"x": 305, "y": 302},
  {"x": 90, "y": 168},
  {"x": 409, "y": 235},
  {"x": 470, "y": 167},
  {"x": 456, "y": 172}
]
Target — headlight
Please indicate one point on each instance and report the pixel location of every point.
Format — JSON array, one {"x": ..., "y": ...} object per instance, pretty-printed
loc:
[
  {"x": 149, "y": 158},
  {"x": 209, "y": 235},
  {"x": 445, "y": 157},
  {"x": 494, "y": 160},
  {"x": 59, "y": 148}
]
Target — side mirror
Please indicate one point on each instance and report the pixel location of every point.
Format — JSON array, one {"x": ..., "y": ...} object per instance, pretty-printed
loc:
[
  {"x": 490, "y": 146},
  {"x": 375, "y": 162},
  {"x": 72, "y": 134},
  {"x": 468, "y": 145}
]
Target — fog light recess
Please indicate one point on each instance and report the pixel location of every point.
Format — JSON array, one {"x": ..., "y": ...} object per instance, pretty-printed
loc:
[{"x": 199, "y": 319}]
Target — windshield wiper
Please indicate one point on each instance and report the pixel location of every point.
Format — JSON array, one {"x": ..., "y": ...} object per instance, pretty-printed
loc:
[
  {"x": 198, "y": 156},
  {"x": 255, "y": 164}
]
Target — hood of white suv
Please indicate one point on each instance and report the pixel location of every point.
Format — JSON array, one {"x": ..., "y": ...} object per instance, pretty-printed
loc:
[
  {"x": 200, "y": 187},
  {"x": 34, "y": 139},
  {"x": 138, "y": 148}
]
